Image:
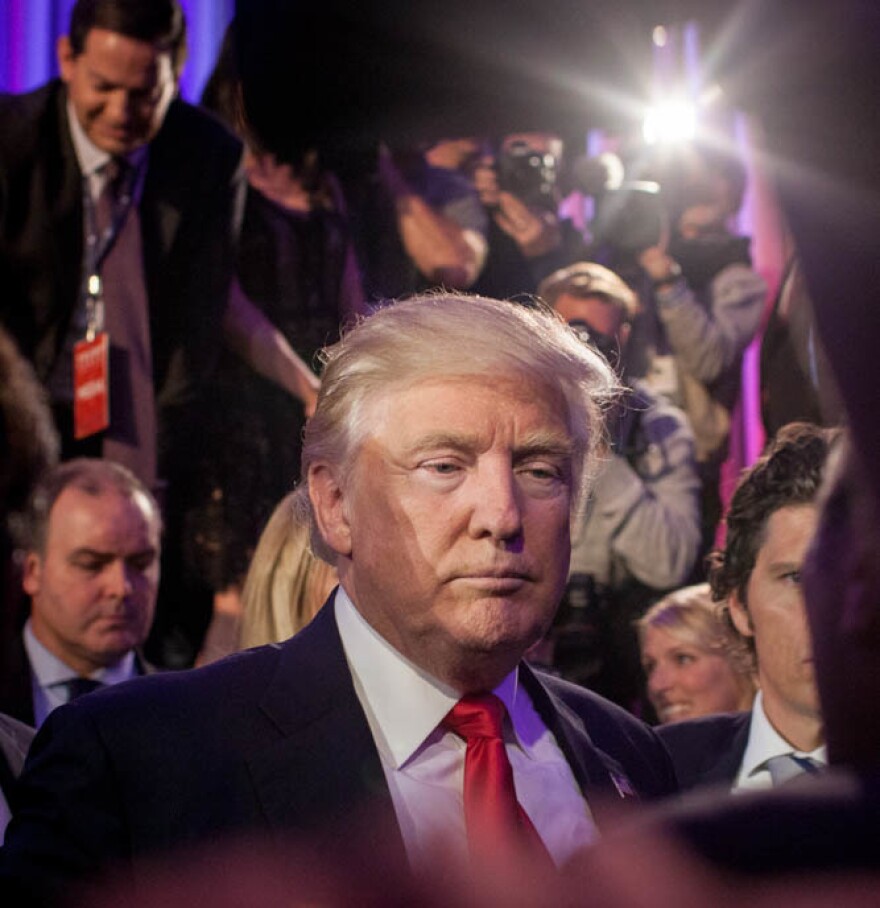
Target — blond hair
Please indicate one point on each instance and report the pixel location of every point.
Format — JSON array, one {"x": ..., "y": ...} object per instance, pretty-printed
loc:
[{"x": 285, "y": 584}]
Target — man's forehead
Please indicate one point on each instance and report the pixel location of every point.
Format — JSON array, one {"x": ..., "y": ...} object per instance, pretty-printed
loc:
[
  {"x": 784, "y": 529},
  {"x": 96, "y": 507},
  {"x": 449, "y": 394},
  {"x": 107, "y": 53}
]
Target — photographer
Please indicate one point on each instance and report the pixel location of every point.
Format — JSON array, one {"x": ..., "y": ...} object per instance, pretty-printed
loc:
[
  {"x": 527, "y": 240},
  {"x": 705, "y": 307},
  {"x": 415, "y": 217},
  {"x": 640, "y": 533}
]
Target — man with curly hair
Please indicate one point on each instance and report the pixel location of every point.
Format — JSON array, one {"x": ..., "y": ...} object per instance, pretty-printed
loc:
[{"x": 757, "y": 576}]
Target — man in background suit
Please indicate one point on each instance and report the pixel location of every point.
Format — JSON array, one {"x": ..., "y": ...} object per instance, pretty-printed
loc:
[
  {"x": 109, "y": 159},
  {"x": 92, "y": 571},
  {"x": 770, "y": 524},
  {"x": 165, "y": 280},
  {"x": 450, "y": 447}
]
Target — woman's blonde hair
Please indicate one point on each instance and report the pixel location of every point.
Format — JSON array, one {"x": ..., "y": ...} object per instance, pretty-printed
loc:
[
  {"x": 285, "y": 584},
  {"x": 690, "y": 615}
]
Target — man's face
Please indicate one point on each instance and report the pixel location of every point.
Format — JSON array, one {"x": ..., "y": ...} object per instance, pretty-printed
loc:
[
  {"x": 93, "y": 590},
  {"x": 775, "y": 616},
  {"x": 454, "y": 528},
  {"x": 120, "y": 88},
  {"x": 605, "y": 323},
  {"x": 599, "y": 313}
]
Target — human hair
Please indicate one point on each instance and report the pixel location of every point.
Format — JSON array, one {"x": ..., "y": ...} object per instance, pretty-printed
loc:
[
  {"x": 690, "y": 615},
  {"x": 788, "y": 473},
  {"x": 444, "y": 335},
  {"x": 28, "y": 440},
  {"x": 158, "y": 22},
  {"x": 222, "y": 92},
  {"x": 586, "y": 279},
  {"x": 91, "y": 475},
  {"x": 285, "y": 584}
]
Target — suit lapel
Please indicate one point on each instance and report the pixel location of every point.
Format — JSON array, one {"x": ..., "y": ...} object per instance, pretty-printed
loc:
[
  {"x": 722, "y": 767},
  {"x": 321, "y": 768},
  {"x": 599, "y": 775}
]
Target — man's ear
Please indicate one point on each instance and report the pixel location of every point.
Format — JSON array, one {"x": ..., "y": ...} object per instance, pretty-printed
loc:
[
  {"x": 329, "y": 508},
  {"x": 32, "y": 574},
  {"x": 739, "y": 614},
  {"x": 64, "y": 51}
]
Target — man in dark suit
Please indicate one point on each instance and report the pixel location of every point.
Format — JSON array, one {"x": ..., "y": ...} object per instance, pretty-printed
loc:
[
  {"x": 91, "y": 570},
  {"x": 164, "y": 282},
  {"x": 770, "y": 524},
  {"x": 448, "y": 451}
]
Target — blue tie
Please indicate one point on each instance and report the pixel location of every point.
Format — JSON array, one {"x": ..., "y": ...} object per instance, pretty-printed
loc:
[
  {"x": 786, "y": 767},
  {"x": 77, "y": 687}
]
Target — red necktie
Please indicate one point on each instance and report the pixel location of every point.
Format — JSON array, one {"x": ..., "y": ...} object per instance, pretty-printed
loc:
[{"x": 494, "y": 818}]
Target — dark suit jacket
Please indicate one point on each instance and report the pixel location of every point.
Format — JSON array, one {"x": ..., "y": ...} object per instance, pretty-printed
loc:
[
  {"x": 708, "y": 750},
  {"x": 271, "y": 741},
  {"x": 16, "y": 693},
  {"x": 188, "y": 223}
]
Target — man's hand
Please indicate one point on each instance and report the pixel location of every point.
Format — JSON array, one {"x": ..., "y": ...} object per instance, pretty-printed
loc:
[{"x": 535, "y": 232}]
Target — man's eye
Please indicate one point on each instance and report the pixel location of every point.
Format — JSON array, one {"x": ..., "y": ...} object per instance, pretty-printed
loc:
[
  {"x": 142, "y": 562},
  {"x": 792, "y": 577},
  {"x": 683, "y": 658},
  {"x": 542, "y": 472},
  {"x": 442, "y": 467},
  {"x": 91, "y": 565}
]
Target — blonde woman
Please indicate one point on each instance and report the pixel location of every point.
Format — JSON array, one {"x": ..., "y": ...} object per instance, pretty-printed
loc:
[
  {"x": 695, "y": 663},
  {"x": 286, "y": 584}
]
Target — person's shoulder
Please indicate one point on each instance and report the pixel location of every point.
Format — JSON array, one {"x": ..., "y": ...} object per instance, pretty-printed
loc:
[
  {"x": 15, "y": 739},
  {"x": 705, "y": 730},
  {"x": 659, "y": 419},
  {"x": 200, "y": 130},
  {"x": 22, "y": 116},
  {"x": 237, "y": 679}
]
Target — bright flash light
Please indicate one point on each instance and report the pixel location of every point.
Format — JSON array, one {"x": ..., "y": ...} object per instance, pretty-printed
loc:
[{"x": 672, "y": 121}]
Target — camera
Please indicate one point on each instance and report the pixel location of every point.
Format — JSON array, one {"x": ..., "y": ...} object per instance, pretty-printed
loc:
[
  {"x": 629, "y": 218},
  {"x": 528, "y": 174}
]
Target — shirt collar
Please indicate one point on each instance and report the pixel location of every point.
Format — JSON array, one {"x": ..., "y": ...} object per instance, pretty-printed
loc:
[
  {"x": 407, "y": 703},
  {"x": 49, "y": 670},
  {"x": 765, "y": 742}
]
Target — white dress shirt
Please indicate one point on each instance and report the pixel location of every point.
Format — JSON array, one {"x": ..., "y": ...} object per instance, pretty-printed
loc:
[
  {"x": 764, "y": 743},
  {"x": 49, "y": 674},
  {"x": 424, "y": 764}
]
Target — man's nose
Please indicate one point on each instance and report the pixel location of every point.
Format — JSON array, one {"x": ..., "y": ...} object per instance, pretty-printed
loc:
[
  {"x": 117, "y": 579},
  {"x": 119, "y": 104},
  {"x": 497, "y": 510}
]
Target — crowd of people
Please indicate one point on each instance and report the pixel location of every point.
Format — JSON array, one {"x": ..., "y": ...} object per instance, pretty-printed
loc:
[{"x": 425, "y": 479}]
